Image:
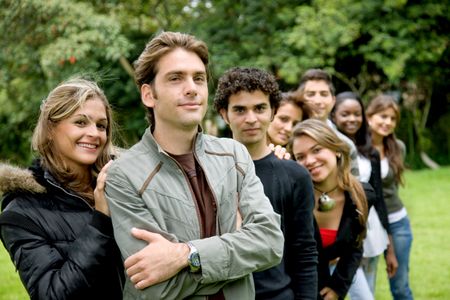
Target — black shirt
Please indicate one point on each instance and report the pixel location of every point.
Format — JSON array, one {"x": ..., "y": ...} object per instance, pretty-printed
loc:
[{"x": 289, "y": 188}]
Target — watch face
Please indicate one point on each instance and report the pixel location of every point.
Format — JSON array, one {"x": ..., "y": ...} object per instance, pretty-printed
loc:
[{"x": 194, "y": 260}]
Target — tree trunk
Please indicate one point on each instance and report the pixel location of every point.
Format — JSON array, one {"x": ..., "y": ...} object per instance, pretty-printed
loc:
[{"x": 420, "y": 121}]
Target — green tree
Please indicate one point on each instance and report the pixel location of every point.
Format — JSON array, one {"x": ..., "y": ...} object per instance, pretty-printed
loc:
[
  {"x": 403, "y": 42},
  {"x": 369, "y": 46},
  {"x": 43, "y": 43}
]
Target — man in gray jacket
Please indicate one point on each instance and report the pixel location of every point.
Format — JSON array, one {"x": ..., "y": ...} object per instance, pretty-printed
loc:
[{"x": 189, "y": 214}]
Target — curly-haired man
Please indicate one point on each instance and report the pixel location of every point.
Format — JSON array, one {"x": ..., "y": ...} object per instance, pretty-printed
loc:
[{"x": 247, "y": 99}]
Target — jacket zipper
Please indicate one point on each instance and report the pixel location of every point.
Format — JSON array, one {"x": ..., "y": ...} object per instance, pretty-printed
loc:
[
  {"x": 68, "y": 193},
  {"x": 202, "y": 232},
  {"x": 212, "y": 192},
  {"x": 82, "y": 199}
]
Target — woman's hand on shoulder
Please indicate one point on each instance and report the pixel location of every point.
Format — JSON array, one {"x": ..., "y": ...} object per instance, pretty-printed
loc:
[
  {"x": 280, "y": 151},
  {"x": 99, "y": 193}
]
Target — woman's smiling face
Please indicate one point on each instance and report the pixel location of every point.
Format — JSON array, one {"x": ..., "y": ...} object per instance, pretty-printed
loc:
[
  {"x": 81, "y": 137},
  {"x": 348, "y": 117},
  {"x": 383, "y": 123},
  {"x": 320, "y": 162},
  {"x": 280, "y": 129}
]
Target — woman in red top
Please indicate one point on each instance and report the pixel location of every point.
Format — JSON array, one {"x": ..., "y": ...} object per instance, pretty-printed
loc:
[{"x": 341, "y": 204}]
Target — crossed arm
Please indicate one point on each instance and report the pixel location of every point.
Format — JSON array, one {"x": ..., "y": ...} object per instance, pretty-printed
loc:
[{"x": 158, "y": 259}]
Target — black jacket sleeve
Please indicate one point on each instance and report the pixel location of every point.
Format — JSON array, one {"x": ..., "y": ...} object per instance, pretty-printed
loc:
[
  {"x": 376, "y": 182},
  {"x": 346, "y": 267},
  {"x": 303, "y": 256},
  {"x": 350, "y": 252},
  {"x": 45, "y": 272}
]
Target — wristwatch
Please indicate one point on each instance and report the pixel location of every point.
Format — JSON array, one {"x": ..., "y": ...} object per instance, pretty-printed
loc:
[{"x": 193, "y": 259}]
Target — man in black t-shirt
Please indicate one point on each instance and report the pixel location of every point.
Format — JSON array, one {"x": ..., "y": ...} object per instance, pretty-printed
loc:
[{"x": 247, "y": 99}]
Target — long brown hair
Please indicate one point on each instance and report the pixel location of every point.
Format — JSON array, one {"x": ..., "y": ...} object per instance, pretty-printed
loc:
[
  {"x": 392, "y": 149},
  {"x": 60, "y": 104},
  {"x": 325, "y": 137}
]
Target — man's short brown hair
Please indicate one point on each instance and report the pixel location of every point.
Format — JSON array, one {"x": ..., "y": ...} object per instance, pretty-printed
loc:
[
  {"x": 145, "y": 67},
  {"x": 316, "y": 75}
]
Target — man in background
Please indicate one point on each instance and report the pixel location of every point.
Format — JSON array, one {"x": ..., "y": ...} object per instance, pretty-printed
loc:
[
  {"x": 247, "y": 99},
  {"x": 318, "y": 92}
]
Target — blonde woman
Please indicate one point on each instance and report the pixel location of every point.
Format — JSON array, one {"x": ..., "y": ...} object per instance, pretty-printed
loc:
[
  {"x": 341, "y": 204},
  {"x": 55, "y": 222}
]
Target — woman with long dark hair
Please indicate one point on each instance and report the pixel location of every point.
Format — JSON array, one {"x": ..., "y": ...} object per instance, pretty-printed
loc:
[
  {"x": 349, "y": 116},
  {"x": 383, "y": 115}
]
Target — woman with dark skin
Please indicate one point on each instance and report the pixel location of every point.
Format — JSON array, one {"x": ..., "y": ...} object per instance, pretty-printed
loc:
[
  {"x": 55, "y": 221},
  {"x": 349, "y": 116}
]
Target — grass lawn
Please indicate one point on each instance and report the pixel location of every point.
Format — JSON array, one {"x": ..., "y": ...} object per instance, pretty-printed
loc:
[
  {"x": 11, "y": 287},
  {"x": 426, "y": 197}
]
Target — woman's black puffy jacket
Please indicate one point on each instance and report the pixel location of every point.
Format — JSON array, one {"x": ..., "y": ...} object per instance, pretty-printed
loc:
[{"x": 61, "y": 246}]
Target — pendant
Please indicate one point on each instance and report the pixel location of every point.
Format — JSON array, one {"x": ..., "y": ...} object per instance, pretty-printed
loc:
[{"x": 326, "y": 203}]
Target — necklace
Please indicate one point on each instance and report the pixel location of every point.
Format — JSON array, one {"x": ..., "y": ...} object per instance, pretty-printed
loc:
[{"x": 326, "y": 203}]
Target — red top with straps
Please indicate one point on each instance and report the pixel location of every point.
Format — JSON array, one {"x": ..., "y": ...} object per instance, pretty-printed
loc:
[{"x": 328, "y": 236}]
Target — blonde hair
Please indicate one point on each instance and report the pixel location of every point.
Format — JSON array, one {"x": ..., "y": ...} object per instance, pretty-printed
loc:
[
  {"x": 325, "y": 137},
  {"x": 60, "y": 104}
]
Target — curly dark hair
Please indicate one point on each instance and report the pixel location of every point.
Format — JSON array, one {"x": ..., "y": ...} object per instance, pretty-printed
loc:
[{"x": 249, "y": 80}]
